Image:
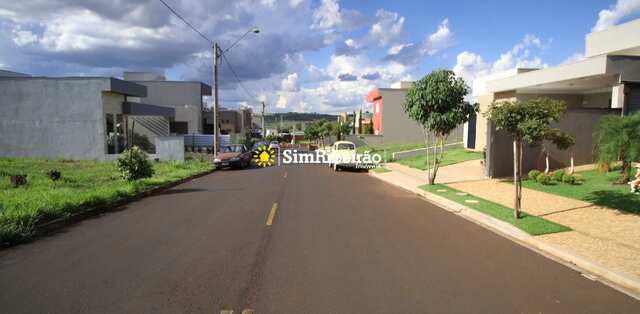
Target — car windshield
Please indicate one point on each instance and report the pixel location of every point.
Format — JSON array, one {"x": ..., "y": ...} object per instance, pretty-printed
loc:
[
  {"x": 346, "y": 146},
  {"x": 231, "y": 149}
]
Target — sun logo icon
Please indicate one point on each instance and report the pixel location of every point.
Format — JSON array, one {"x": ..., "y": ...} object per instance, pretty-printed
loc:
[{"x": 264, "y": 156}]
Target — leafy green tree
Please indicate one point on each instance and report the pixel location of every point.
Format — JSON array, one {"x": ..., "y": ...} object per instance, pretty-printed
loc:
[
  {"x": 528, "y": 121},
  {"x": 340, "y": 130},
  {"x": 311, "y": 132},
  {"x": 618, "y": 139},
  {"x": 326, "y": 129},
  {"x": 437, "y": 103}
]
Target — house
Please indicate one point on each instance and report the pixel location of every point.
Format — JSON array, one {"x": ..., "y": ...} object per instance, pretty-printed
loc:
[
  {"x": 232, "y": 121},
  {"x": 69, "y": 117},
  {"x": 186, "y": 97},
  {"x": 390, "y": 122},
  {"x": 606, "y": 81}
]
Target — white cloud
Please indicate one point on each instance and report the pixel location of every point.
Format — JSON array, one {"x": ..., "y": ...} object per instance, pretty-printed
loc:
[
  {"x": 268, "y": 3},
  {"x": 23, "y": 37},
  {"x": 412, "y": 54},
  {"x": 290, "y": 83},
  {"x": 439, "y": 40},
  {"x": 295, "y": 3},
  {"x": 470, "y": 65},
  {"x": 615, "y": 13},
  {"x": 388, "y": 28}
]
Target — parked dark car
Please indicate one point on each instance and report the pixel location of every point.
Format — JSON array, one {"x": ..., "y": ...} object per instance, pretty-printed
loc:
[{"x": 233, "y": 156}]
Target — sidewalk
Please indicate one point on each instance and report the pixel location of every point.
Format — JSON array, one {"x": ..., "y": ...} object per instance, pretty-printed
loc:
[
  {"x": 608, "y": 236},
  {"x": 471, "y": 170},
  {"x": 604, "y": 241}
]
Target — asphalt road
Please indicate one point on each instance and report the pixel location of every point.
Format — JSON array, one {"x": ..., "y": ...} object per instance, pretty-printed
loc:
[{"x": 289, "y": 240}]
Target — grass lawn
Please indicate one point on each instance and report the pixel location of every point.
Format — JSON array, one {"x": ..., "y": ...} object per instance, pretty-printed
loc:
[
  {"x": 530, "y": 224},
  {"x": 387, "y": 150},
  {"x": 597, "y": 188},
  {"x": 84, "y": 184},
  {"x": 451, "y": 157}
]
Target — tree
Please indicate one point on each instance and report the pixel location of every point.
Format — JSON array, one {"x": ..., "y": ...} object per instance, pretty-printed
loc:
[
  {"x": 326, "y": 129},
  {"x": 311, "y": 132},
  {"x": 341, "y": 129},
  {"x": 437, "y": 103},
  {"x": 617, "y": 139},
  {"x": 528, "y": 121}
]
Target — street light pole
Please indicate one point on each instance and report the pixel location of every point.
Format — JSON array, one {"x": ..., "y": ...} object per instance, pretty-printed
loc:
[
  {"x": 264, "y": 135},
  {"x": 216, "y": 131},
  {"x": 216, "y": 54}
]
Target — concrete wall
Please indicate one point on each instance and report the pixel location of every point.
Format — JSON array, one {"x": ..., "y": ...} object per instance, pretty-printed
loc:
[
  {"x": 578, "y": 122},
  {"x": 53, "y": 118},
  {"x": 397, "y": 127},
  {"x": 185, "y": 97},
  {"x": 619, "y": 39},
  {"x": 170, "y": 147}
]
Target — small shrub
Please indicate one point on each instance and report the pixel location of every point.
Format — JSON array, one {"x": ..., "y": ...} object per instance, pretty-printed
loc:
[
  {"x": 557, "y": 175},
  {"x": 54, "y": 175},
  {"x": 569, "y": 179},
  {"x": 133, "y": 164},
  {"x": 533, "y": 174},
  {"x": 543, "y": 179},
  {"x": 18, "y": 180}
]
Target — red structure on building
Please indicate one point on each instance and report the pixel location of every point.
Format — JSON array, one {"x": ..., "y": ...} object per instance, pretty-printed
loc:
[{"x": 375, "y": 99}]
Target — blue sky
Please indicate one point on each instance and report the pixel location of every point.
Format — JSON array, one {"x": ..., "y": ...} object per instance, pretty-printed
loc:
[{"x": 311, "y": 55}]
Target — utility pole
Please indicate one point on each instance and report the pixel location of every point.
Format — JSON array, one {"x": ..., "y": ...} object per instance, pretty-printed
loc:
[
  {"x": 264, "y": 135},
  {"x": 216, "y": 125}
]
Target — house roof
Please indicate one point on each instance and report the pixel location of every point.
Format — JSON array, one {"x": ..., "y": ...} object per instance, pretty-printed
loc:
[{"x": 590, "y": 74}]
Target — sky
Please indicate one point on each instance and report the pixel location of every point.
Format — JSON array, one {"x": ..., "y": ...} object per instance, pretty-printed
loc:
[{"x": 310, "y": 55}]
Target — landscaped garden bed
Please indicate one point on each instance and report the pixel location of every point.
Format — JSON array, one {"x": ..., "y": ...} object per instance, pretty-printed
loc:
[
  {"x": 595, "y": 187},
  {"x": 82, "y": 185}
]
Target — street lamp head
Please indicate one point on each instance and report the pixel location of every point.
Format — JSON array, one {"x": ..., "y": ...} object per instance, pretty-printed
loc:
[{"x": 255, "y": 30}]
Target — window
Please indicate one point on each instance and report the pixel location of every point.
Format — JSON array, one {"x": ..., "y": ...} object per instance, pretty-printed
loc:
[
  {"x": 110, "y": 133},
  {"x": 114, "y": 133},
  {"x": 179, "y": 127}
]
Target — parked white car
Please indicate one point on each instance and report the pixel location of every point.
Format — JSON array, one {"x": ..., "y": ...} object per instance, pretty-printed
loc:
[{"x": 343, "y": 155}]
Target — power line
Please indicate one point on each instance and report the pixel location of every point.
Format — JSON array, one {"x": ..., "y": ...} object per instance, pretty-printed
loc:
[
  {"x": 237, "y": 77},
  {"x": 211, "y": 41},
  {"x": 186, "y": 22}
]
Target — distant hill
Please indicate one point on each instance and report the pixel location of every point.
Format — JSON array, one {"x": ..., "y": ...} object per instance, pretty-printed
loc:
[{"x": 298, "y": 117}]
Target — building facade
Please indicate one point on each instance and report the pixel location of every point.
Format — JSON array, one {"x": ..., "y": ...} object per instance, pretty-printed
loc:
[
  {"x": 606, "y": 81},
  {"x": 69, "y": 117},
  {"x": 391, "y": 123},
  {"x": 185, "y": 97}
]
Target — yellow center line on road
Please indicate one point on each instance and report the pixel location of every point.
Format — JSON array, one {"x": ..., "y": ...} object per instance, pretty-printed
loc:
[{"x": 272, "y": 214}]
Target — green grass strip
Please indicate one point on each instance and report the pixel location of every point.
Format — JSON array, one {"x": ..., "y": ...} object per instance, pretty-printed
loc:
[
  {"x": 452, "y": 156},
  {"x": 532, "y": 225}
]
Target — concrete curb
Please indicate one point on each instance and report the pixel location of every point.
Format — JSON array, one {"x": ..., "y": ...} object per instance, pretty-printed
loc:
[
  {"x": 48, "y": 227},
  {"x": 624, "y": 283}
]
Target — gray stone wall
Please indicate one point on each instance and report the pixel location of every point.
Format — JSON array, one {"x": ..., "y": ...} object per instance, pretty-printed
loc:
[{"x": 53, "y": 118}]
